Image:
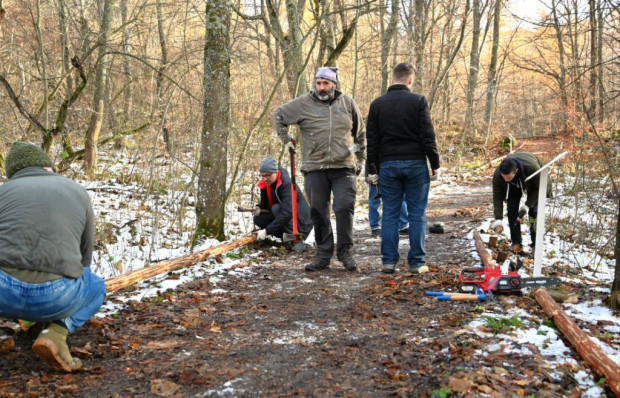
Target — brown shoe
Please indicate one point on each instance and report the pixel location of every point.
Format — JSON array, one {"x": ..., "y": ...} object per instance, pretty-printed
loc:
[{"x": 51, "y": 346}]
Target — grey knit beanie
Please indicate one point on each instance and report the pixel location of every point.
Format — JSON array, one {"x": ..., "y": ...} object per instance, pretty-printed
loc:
[
  {"x": 328, "y": 73},
  {"x": 22, "y": 155},
  {"x": 268, "y": 165}
]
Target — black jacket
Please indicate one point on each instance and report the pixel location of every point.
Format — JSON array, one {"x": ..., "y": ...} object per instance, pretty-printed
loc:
[
  {"x": 400, "y": 128},
  {"x": 528, "y": 164},
  {"x": 280, "y": 192}
]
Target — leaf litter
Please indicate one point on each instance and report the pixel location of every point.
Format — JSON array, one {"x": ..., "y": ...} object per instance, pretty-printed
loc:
[{"x": 256, "y": 324}]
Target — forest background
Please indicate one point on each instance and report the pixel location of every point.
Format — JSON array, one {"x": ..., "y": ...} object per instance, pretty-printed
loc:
[{"x": 192, "y": 85}]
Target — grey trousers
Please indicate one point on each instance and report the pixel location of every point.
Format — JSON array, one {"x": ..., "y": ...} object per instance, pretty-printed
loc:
[{"x": 319, "y": 186}]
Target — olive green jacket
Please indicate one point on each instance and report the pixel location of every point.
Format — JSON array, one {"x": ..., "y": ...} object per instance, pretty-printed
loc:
[{"x": 328, "y": 130}]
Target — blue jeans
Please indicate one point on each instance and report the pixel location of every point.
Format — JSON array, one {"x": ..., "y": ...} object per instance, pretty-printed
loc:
[
  {"x": 72, "y": 301},
  {"x": 373, "y": 211},
  {"x": 409, "y": 180}
]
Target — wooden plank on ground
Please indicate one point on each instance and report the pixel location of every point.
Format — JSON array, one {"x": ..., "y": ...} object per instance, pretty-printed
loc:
[
  {"x": 588, "y": 349},
  {"x": 121, "y": 281}
]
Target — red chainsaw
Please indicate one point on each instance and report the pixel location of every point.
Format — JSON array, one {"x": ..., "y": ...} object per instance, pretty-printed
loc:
[{"x": 491, "y": 279}]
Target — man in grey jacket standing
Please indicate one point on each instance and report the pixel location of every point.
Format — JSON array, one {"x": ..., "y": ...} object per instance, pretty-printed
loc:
[
  {"x": 46, "y": 245},
  {"x": 333, "y": 141}
]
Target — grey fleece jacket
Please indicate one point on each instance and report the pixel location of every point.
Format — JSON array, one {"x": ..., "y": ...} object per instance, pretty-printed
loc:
[
  {"x": 328, "y": 130},
  {"x": 46, "y": 224}
]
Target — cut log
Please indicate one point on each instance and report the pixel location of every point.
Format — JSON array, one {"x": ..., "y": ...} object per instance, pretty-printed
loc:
[
  {"x": 558, "y": 296},
  {"x": 121, "y": 281},
  {"x": 589, "y": 350},
  {"x": 485, "y": 257}
]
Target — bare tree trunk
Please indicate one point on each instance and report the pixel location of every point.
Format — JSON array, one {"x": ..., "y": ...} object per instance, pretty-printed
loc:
[
  {"x": 128, "y": 89},
  {"x": 160, "y": 76},
  {"x": 297, "y": 79},
  {"x": 562, "y": 58},
  {"x": 593, "y": 58},
  {"x": 615, "y": 288},
  {"x": 474, "y": 65},
  {"x": 43, "y": 65},
  {"x": 96, "y": 120},
  {"x": 599, "y": 61},
  {"x": 215, "y": 125},
  {"x": 492, "y": 77},
  {"x": 420, "y": 22},
  {"x": 386, "y": 39}
]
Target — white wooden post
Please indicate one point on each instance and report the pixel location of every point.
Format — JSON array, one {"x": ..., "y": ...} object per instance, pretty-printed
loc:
[{"x": 540, "y": 220}]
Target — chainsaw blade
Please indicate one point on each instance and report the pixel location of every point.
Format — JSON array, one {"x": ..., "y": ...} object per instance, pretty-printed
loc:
[{"x": 540, "y": 281}]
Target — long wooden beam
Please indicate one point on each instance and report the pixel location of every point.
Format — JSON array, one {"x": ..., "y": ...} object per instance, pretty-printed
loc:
[
  {"x": 589, "y": 350},
  {"x": 121, "y": 281}
]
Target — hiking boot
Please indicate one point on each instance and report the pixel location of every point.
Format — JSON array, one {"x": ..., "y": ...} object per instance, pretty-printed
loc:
[
  {"x": 419, "y": 270},
  {"x": 388, "y": 268},
  {"x": 375, "y": 233},
  {"x": 404, "y": 232},
  {"x": 346, "y": 256},
  {"x": 298, "y": 246},
  {"x": 318, "y": 264},
  {"x": 51, "y": 346}
]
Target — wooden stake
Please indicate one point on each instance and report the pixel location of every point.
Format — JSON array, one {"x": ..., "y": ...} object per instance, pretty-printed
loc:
[
  {"x": 485, "y": 257},
  {"x": 121, "y": 281},
  {"x": 589, "y": 351}
]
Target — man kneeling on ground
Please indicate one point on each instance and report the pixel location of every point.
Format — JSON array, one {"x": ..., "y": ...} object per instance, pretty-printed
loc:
[
  {"x": 274, "y": 213},
  {"x": 46, "y": 246}
]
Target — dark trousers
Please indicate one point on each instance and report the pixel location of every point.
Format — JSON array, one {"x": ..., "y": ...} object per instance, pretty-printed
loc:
[
  {"x": 264, "y": 219},
  {"x": 512, "y": 205},
  {"x": 319, "y": 186}
]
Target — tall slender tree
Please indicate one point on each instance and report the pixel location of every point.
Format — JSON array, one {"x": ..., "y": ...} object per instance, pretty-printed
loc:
[
  {"x": 96, "y": 119},
  {"x": 215, "y": 123}
]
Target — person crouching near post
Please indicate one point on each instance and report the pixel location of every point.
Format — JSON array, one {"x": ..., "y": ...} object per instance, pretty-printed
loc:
[
  {"x": 46, "y": 245},
  {"x": 274, "y": 213}
]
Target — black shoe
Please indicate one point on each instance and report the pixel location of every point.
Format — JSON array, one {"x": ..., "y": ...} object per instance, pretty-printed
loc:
[
  {"x": 346, "y": 256},
  {"x": 375, "y": 233},
  {"x": 404, "y": 231},
  {"x": 318, "y": 264}
]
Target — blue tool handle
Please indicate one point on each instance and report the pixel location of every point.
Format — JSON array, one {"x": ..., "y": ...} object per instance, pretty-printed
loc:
[{"x": 430, "y": 293}]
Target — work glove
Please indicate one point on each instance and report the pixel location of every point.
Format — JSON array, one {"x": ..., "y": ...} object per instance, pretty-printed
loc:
[
  {"x": 290, "y": 145},
  {"x": 523, "y": 211},
  {"x": 436, "y": 175},
  {"x": 373, "y": 179},
  {"x": 261, "y": 234},
  {"x": 257, "y": 211},
  {"x": 353, "y": 149},
  {"x": 497, "y": 226}
]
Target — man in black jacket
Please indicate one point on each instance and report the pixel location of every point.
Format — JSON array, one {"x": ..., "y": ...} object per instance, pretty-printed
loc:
[
  {"x": 401, "y": 138},
  {"x": 509, "y": 185},
  {"x": 46, "y": 245},
  {"x": 274, "y": 213}
]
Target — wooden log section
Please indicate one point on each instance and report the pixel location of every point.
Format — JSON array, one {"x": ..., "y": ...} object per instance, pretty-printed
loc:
[
  {"x": 589, "y": 350},
  {"x": 485, "y": 257},
  {"x": 121, "y": 281}
]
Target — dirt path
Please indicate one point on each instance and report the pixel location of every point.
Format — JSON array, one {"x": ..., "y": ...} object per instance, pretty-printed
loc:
[{"x": 273, "y": 330}]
